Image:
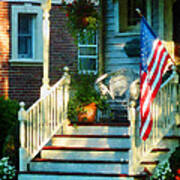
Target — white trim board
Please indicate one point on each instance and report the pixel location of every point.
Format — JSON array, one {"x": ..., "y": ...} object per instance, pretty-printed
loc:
[
  {"x": 39, "y": 1},
  {"x": 33, "y": 1}
]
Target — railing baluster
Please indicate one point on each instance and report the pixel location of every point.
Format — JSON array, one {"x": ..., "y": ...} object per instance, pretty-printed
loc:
[
  {"x": 34, "y": 129},
  {"x": 164, "y": 111},
  {"x": 38, "y": 128},
  {"x": 42, "y": 120},
  {"x": 54, "y": 97}
]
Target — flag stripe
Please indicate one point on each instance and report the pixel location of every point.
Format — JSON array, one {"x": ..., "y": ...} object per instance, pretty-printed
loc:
[
  {"x": 151, "y": 94},
  {"x": 154, "y": 59}
]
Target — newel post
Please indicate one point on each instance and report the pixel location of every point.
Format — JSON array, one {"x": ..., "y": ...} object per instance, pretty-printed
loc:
[
  {"x": 132, "y": 118},
  {"x": 66, "y": 93},
  {"x": 22, "y": 151}
]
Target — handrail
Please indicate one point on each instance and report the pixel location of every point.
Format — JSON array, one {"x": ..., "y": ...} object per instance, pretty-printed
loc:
[
  {"x": 164, "y": 111},
  {"x": 42, "y": 120}
]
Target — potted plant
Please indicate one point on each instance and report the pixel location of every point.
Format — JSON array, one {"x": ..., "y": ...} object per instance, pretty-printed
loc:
[
  {"x": 82, "y": 19},
  {"x": 84, "y": 99}
]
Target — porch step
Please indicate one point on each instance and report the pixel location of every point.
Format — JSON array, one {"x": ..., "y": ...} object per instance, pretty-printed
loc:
[
  {"x": 80, "y": 166},
  {"x": 150, "y": 165},
  {"x": 76, "y": 176},
  {"x": 105, "y": 141},
  {"x": 79, "y": 153},
  {"x": 169, "y": 141},
  {"x": 99, "y": 129}
]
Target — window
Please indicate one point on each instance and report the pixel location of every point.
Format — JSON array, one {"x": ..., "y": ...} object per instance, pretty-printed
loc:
[
  {"x": 27, "y": 45},
  {"x": 25, "y": 36},
  {"x": 88, "y": 55},
  {"x": 126, "y": 17}
]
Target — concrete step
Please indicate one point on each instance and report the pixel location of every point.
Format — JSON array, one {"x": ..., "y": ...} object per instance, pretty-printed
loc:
[
  {"x": 102, "y": 141},
  {"x": 150, "y": 165},
  {"x": 169, "y": 141},
  {"x": 76, "y": 176},
  {"x": 112, "y": 167},
  {"x": 157, "y": 154},
  {"x": 98, "y": 129},
  {"x": 111, "y": 154}
]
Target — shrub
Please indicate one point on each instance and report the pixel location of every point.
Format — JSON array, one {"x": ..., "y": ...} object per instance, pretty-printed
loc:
[
  {"x": 9, "y": 129},
  {"x": 175, "y": 160},
  {"x": 163, "y": 172}
]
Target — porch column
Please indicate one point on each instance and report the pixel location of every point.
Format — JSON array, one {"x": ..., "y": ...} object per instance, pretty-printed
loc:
[{"x": 46, "y": 6}]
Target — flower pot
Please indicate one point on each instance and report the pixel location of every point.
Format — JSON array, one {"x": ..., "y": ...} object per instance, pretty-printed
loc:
[{"x": 89, "y": 114}]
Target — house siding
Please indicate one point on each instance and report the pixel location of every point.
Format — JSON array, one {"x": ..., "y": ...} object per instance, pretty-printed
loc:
[
  {"x": 23, "y": 81},
  {"x": 115, "y": 55}
]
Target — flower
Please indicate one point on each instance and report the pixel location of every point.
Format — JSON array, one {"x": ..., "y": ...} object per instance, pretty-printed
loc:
[
  {"x": 163, "y": 172},
  {"x": 6, "y": 171},
  {"x": 82, "y": 16}
]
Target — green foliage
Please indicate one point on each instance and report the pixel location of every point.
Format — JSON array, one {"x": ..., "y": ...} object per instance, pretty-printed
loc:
[
  {"x": 82, "y": 17},
  {"x": 6, "y": 171},
  {"x": 163, "y": 172},
  {"x": 168, "y": 170},
  {"x": 175, "y": 160},
  {"x": 9, "y": 128},
  {"x": 83, "y": 92}
]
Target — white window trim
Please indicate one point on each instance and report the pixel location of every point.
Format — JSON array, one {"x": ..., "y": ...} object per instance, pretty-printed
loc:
[
  {"x": 88, "y": 56},
  {"x": 34, "y": 1},
  {"x": 37, "y": 43},
  {"x": 116, "y": 20},
  {"x": 40, "y": 1}
]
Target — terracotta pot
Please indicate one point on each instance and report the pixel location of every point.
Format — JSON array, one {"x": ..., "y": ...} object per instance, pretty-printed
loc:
[{"x": 89, "y": 114}]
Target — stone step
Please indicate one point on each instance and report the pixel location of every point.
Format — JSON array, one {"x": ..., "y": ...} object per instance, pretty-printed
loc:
[
  {"x": 76, "y": 176},
  {"x": 99, "y": 129},
  {"x": 105, "y": 141},
  {"x": 80, "y": 166},
  {"x": 109, "y": 154}
]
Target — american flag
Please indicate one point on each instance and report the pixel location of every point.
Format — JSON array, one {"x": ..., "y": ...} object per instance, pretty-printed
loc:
[{"x": 154, "y": 59}]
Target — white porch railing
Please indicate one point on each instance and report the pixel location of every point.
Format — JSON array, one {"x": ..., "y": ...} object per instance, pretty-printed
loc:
[
  {"x": 165, "y": 115},
  {"x": 42, "y": 120}
]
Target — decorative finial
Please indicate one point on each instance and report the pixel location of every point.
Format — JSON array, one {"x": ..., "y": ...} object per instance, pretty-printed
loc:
[
  {"x": 139, "y": 12},
  {"x": 22, "y": 104},
  {"x": 66, "y": 69}
]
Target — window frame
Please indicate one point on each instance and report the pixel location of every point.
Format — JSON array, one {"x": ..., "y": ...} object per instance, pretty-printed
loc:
[
  {"x": 117, "y": 24},
  {"x": 37, "y": 44},
  {"x": 95, "y": 57},
  {"x": 31, "y": 35}
]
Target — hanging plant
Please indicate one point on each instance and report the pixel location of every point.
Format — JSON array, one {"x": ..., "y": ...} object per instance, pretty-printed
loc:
[{"x": 83, "y": 19}]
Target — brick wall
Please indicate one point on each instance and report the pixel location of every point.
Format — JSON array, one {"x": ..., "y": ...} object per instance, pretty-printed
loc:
[
  {"x": 63, "y": 52},
  {"x": 23, "y": 82}
]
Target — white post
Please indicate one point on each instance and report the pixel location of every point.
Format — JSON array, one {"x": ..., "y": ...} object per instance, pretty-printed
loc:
[
  {"x": 46, "y": 6},
  {"x": 66, "y": 97},
  {"x": 22, "y": 151},
  {"x": 132, "y": 118}
]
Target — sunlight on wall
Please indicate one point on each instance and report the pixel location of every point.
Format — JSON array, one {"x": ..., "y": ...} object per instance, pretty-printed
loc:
[{"x": 4, "y": 48}]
